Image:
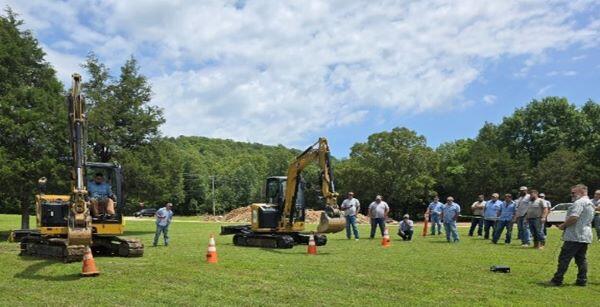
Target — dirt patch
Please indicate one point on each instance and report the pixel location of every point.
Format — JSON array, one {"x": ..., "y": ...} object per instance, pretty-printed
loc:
[{"x": 244, "y": 214}]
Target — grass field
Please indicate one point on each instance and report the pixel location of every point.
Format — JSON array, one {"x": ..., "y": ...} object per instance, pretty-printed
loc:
[{"x": 425, "y": 271}]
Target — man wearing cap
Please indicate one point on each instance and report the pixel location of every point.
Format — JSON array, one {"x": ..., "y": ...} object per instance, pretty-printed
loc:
[
  {"x": 490, "y": 215},
  {"x": 522, "y": 206},
  {"x": 164, "y": 216},
  {"x": 536, "y": 217},
  {"x": 406, "y": 228},
  {"x": 351, "y": 207},
  {"x": 547, "y": 204},
  {"x": 378, "y": 211},
  {"x": 477, "y": 219},
  {"x": 450, "y": 215},
  {"x": 577, "y": 236},
  {"x": 434, "y": 212},
  {"x": 505, "y": 219},
  {"x": 596, "y": 203}
]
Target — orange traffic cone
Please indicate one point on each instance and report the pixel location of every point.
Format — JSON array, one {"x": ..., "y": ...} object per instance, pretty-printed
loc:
[
  {"x": 89, "y": 265},
  {"x": 312, "y": 246},
  {"x": 211, "y": 254},
  {"x": 385, "y": 242}
]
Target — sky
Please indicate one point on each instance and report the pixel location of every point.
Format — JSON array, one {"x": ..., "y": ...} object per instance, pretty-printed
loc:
[{"x": 288, "y": 72}]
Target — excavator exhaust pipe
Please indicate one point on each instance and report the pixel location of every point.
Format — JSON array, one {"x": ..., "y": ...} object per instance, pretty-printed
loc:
[{"x": 330, "y": 224}]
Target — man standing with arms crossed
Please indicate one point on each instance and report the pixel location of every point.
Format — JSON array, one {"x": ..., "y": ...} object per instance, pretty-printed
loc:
[
  {"x": 449, "y": 217},
  {"x": 477, "y": 219},
  {"x": 434, "y": 211},
  {"x": 536, "y": 217},
  {"x": 577, "y": 236},
  {"x": 164, "y": 216},
  {"x": 490, "y": 215},
  {"x": 505, "y": 219},
  {"x": 351, "y": 207},
  {"x": 378, "y": 211},
  {"x": 522, "y": 227}
]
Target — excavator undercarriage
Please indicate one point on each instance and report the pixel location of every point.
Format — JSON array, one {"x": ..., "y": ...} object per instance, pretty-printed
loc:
[{"x": 37, "y": 245}]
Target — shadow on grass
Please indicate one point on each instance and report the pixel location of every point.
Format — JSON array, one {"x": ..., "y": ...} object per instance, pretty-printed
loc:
[
  {"x": 4, "y": 235},
  {"x": 138, "y": 233},
  {"x": 294, "y": 251},
  {"x": 31, "y": 272}
]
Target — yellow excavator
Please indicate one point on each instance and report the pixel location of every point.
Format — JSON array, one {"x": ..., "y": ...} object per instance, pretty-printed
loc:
[
  {"x": 280, "y": 222},
  {"x": 65, "y": 227}
]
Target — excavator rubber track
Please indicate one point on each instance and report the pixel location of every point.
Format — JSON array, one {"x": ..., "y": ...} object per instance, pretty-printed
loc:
[
  {"x": 53, "y": 248},
  {"x": 242, "y": 236},
  {"x": 58, "y": 248}
]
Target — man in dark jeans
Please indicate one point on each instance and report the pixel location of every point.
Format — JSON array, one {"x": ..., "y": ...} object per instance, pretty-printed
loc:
[
  {"x": 477, "y": 219},
  {"x": 577, "y": 236},
  {"x": 378, "y": 211},
  {"x": 536, "y": 217},
  {"x": 490, "y": 215},
  {"x": 505, "y": 219}
]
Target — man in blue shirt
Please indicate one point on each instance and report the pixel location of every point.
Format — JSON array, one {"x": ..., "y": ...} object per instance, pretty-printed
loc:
[
  {"x": 490, "y": 215},
  {"x": 505, "y": 219},
  {"x": 164, "y": 216},
  {"x": 101, "y": 197},
  {"x": 434, "y": 212},
  {"x": 450, "y": 214}
]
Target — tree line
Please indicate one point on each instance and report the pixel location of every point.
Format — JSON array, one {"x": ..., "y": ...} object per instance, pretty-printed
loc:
[{"x": 549, "y": 144}]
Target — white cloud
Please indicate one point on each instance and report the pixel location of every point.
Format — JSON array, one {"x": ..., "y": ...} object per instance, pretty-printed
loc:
[
  {"x": 564, "y": 73},
  {"x": 276, "y": 71},
  {"x": 489, "y": 99},
  {"x": 542, "y": 91}
]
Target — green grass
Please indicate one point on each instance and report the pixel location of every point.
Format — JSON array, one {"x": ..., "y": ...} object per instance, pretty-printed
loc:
[{"x": 426, "y": 271}]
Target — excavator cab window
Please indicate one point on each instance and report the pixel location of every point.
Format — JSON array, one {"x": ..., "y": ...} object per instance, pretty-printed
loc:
[
  {"x": 276, "y": 191},
  {"x": 112, "y": 175}
]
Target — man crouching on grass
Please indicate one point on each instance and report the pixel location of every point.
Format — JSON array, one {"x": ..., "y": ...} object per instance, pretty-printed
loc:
[{"x": 577, "y": 236}]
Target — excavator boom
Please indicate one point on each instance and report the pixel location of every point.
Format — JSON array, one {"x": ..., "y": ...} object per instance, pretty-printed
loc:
[{"x": 79, "y": 220}]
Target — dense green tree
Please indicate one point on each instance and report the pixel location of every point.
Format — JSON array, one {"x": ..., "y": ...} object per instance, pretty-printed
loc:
[
  {"x": 396, "y": 164},
  {"x": 542, "y": 127},
  {"x": 120, "y": 116},
  {"x": 557, "y": 173},
  {"x": 33, "y": 116}
]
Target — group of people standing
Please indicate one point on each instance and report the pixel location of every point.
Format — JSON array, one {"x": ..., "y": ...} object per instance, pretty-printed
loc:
[
  {"x": 529, "y": 212},
  {"x": 446, "y": 215},
  {"x": 378, "y": 214}
]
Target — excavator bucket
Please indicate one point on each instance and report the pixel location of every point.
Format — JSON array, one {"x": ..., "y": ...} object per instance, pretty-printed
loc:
[
  {"x": 330, "y": 224},
  {"x": 79, "y": 236}
]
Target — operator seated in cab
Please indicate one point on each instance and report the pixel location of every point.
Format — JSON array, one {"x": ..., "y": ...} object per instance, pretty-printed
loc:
[{"x": 101, "y": 197}]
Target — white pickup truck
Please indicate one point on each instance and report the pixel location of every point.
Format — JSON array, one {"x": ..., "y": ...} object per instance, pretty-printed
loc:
[{"x": 558, "y": 214}]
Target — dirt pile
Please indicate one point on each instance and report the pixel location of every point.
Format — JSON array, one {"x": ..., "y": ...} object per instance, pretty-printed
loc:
[
  {"x": 244, "y": 214},
  {"x": 238, "y": 215}
]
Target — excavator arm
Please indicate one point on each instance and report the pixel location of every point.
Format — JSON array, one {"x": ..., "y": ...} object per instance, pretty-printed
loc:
[
  {"x": 319, "y": 152},
  {"x": 79, "y": 220}
]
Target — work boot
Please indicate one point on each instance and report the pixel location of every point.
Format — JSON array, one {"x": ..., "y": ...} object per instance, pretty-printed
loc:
[
  {"x": 581, "y": 283},
  {"x": 554, "y": 283}
]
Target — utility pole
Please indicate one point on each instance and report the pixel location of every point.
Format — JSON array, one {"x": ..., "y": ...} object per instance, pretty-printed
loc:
[{"x": 213, "y": 195}]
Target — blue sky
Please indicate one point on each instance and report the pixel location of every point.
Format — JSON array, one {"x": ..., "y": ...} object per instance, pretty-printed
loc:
[{"x": 286, "y": 72}]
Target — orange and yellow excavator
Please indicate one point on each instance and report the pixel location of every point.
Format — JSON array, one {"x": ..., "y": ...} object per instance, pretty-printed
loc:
[
  {"x": 280, "y": 222},
  {"x": 65, "y": 226}
]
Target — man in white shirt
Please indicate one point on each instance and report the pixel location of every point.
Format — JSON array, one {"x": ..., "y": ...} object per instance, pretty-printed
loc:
[
  {"x": 577, "y": 236},
  {"x": 378, "y": 212},
  {"x": 351, "y": 207}
]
